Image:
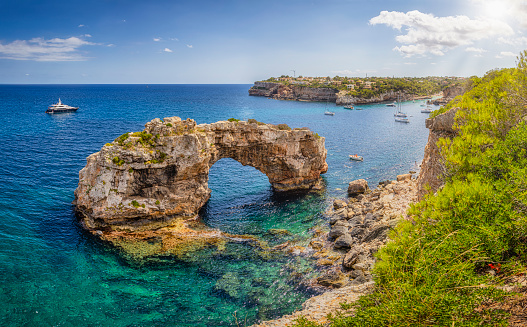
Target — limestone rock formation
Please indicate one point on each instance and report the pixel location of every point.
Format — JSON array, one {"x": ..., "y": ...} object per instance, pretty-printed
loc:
[
  {"x": 293, "y": 92},
  {"x": 432, "y": 167},
  {"x": 149, "y": 180}
]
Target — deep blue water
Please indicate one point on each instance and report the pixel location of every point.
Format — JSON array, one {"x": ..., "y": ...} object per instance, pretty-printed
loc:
[{"x": 54, "y": 274}]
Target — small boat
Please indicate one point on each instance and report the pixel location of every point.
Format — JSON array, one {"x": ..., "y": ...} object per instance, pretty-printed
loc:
[
  {"x": 399, "y": 115},
  {"x": 329, "y": 113},
  {"x": 350, "y": 107},
  {"x": 60, "y": 107},
  {"x": 358, "y": 108},
  {"x": 391, "y": 105},
  {"x": 427, "y": 110},
  {"x": 356, "y": 157},
  {"x": 402, "y": 119}
]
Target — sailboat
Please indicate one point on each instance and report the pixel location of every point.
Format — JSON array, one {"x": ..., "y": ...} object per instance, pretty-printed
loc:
[{"x": 400, "y": 116}]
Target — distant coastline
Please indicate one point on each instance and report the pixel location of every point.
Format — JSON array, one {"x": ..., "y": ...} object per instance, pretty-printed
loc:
[{"x": 347, "y": 91}]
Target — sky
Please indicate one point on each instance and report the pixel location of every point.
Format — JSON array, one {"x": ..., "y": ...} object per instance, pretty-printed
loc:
[{"x": 238, "y": 42}]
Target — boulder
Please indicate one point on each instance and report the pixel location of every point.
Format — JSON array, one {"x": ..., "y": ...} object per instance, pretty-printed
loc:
[
  {"x": 404, "y": 177},
  {"x": 337, "y": 230},
  {"x": 356, "y": 187},
  {"x": 338, "y": 204},
  {"x": 378, "y": 233},
  {"x": 343, "y": 242}
]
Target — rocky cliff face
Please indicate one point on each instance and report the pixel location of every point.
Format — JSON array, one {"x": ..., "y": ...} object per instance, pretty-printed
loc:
[
  {"x": 293, "y": 92},
  {"x": 303, "y": 93},
  {"x": 149, "y": 181},
  {"x": 432, "y": 167},
  {"x": 449, "y": 94}
]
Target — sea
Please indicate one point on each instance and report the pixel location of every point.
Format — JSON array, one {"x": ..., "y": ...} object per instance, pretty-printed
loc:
[{"x": 53, "y": 273}]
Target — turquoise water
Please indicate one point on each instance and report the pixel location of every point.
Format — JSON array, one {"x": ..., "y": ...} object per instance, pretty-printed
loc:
[{"x": 53, "y": 273}]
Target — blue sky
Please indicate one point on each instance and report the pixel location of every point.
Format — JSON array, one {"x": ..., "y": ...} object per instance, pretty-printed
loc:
[{"x": 201, "y": 41}]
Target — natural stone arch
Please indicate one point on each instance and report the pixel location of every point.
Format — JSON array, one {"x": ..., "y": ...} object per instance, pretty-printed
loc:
[{"x": 146, "y": 180}]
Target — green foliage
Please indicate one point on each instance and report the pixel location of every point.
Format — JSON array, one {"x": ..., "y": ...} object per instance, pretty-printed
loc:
[
  {"x": 116, "y": 160},
  {"x": 157, "y": 202},
  {"x": 317, "y": 136},
  {"x": 284, "y": 127},
  {"x": 131, "y": 170},
  {"x": 252, "y": 121},
  {"x": 169, "y": 124},
  {"x": 145, "y": 139},
  {"x": 120, "y": 140},
  {"x": 433, "y": 273},
  {"x": 304, "y": 322},
  {"x": 135, "y": 204},
  {"x": 233, "y": 120}
]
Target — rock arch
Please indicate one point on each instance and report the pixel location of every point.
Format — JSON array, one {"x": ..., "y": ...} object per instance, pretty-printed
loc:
[{"x": 144, "y": 181}]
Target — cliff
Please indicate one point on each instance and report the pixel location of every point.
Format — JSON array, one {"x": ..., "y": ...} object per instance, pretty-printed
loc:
[
  {"x": 152, "y": 183},
  {"x": 293, "y": 92},
  {"x": 303, "y": 93},
  {"x": 432, "y": 167},
  {"x": 449, "y": 94}
]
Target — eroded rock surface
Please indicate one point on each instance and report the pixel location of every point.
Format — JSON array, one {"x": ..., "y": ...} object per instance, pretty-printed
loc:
[
  {"x": 432, "y": 166},
  {"x": 154, "y": 182}
]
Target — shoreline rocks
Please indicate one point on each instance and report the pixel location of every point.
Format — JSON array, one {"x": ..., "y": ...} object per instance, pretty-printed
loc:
[{"x": 359, "y": 227}]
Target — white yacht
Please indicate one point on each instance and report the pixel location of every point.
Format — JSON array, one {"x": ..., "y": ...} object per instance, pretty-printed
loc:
[{"x": 60, "y": 107}]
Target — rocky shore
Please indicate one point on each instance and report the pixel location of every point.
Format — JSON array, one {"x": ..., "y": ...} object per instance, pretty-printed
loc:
[{"x": 359, "y": 226}]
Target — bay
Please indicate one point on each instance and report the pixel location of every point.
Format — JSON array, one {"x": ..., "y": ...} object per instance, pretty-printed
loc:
[{"x": 53, "y": 273}]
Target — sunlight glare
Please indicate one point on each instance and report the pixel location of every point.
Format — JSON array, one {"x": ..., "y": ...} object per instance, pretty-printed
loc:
[{"x": 495, "y": 9}]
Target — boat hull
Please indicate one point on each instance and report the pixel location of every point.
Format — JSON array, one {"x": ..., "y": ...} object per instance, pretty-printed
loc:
[{"x": 60, "y": 111}]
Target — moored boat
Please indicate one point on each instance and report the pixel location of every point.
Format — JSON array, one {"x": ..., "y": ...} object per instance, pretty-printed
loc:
[
  {"x": 356, "y": 157},
  {"x": 427, "y": 110},
  {"x": 60, "y": 107},
  {"x": 329, "y": 113},
  {"x": 348, "y": 107}
]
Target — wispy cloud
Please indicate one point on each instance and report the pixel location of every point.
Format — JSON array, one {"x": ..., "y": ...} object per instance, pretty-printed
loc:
[
  {"x": 517, "y": 41},
  {"x": 504, "y": 54},
  {"x": 81, "y": 25},
  {"x": 167, "y": 50},
  {"x": 425, "y": 33},
  {"x": 174, "y": 39},
  {"x": 477, "y": 50},
  {"x": 39, "y": 49},
  {"x": 157, "y": 39},
  {"x": 190, "y": 46}
]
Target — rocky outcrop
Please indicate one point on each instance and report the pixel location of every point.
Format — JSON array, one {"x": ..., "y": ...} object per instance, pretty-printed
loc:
[
  {"x": 433, "y": 167},
  {"x": 359, "y": 226},
  {"x": 449, "y": 94},
  {"x": 281, "y": 91},
  {"x": 152, "y": 182},
  {"x": 293, "y": 92}
]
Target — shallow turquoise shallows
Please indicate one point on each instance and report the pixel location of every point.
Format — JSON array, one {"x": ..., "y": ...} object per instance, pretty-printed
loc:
[{"x": 52, "y": 273}]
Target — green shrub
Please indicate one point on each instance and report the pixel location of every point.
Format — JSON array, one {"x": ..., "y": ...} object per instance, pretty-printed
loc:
[
  {"x": 284, "y": 127},
  {"x": 252, "y": 121},
  {"x": 116, "y": 160},
  {"x": 169, "y": 124},
  {"x": 157, "y": 202},
  {"x": 233, "y": 120},
  {"x": 120, "y": 140},
  {"x": 135, "y": 204}
]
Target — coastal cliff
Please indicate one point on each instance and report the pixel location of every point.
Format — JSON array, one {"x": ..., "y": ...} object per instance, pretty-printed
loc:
[
  {"x": 150, "y": 185},
  {"x": 294, "y": 92},
  {"x": 432, "y": 167}
]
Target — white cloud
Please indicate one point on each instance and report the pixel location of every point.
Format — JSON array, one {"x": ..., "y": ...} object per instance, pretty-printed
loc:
[
  {"x": 426, "y": 33},
  {"x": 174, "y": 39},
  {"x": 157, "y": 39},
  {"x": 504, "y": 54},
  {"x": 87, "y": 35},
  {"x": 189, "y": 46},
  {"x": 518, "y": 41},
  {"x": 477, "y": 50},
  {"x": 81, "y": 25},
  {"x": 39, "y": 49},
  {"x": 516, "y": 9},
  {"x": 167, "y": 50}
]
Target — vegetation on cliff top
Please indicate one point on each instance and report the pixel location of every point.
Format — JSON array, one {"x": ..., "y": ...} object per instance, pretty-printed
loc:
[
  {"x": 445, "y": 266},
  {"x": 370, "y": 87}
]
